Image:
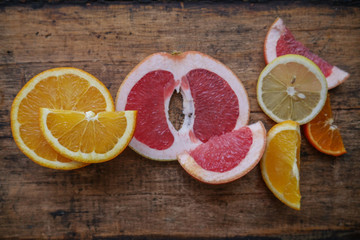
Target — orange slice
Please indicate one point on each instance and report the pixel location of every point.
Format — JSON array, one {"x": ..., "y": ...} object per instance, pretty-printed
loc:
[
  {"x": 58, "y": 88},
  {"x": 280, "y": 163},
  {"x": 85, "y": 136},
  {"x": 323, "y": 134}
]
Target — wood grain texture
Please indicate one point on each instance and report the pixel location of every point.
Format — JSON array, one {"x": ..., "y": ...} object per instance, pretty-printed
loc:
[{"x": 135, "y": 197}]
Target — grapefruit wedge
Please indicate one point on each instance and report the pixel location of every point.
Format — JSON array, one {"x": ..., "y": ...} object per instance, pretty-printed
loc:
[
  {"x": 280, "y": 41},
  {"x": 227, "y": 157},
  {"x": 214, "y": 102}
]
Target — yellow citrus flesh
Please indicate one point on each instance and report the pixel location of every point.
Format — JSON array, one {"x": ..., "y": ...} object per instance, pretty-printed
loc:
[
  {"x": 58, "y": 88},
  {"x": 291, "y": 87},
  {"x": 280, "y": 163},
  {"x": 85, "y": 136}
]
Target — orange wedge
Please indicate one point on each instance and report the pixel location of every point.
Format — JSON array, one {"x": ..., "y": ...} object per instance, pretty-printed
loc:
[
  {"x": 323, "y": 134},
  {"x": 280, "y": 163},
  {"x": 58, "y": 88},
  {"x": 85, "y": 136}
]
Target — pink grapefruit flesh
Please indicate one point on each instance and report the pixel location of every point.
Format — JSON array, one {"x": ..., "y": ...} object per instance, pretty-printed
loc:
[
  {"x": 151, "y": 108},
  {"x": 223, "y": 153},
  {"x": 214, "y": 102},
  {"x": 227, "y": 157},
  {"x": 280, "y": 41}
]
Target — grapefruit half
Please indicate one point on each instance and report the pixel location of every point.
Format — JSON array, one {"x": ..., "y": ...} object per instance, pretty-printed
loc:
[
  {"x": 214, "y": 102},
  {"x": 280, "y": 41},
  {"x": 227, "y": 157}
]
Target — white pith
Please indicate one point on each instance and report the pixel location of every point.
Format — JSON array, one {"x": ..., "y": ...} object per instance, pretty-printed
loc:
[
  {"x": 272, "y": 38},
  {"x": 90, "y": 115},
  {"x": 337, "y": 75},
  {"x": 179, "y": 67},
  {"x": 249, "y": 162}
]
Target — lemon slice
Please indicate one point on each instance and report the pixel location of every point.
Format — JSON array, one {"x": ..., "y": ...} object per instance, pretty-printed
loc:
[
  {"x": 291, "y": 87},
  {"x": 280, "y": 163}
]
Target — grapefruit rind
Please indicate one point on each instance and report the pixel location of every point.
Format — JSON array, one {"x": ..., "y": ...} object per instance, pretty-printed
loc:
[
  {"x": 179, "y": 65},
  {"x": 271, "y": 39},
  {"x": 91, "y": 157},
  {"x": 247, "y": 164},
  {"x": 311, "y": 66},
  {"x": 286, "y": 125},
  {"x": 15, "y": 125},
  {"x": 337, "y": 75}
]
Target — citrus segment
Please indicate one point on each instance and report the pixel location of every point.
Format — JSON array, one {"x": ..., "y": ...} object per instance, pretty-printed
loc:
[
  {"x": 280, "y": 41},
  {"x": 214, "y": 102},
  {"x": 60, "y": 88},
  {"x": 223, "y": 153},
  {"x": 323, "y": 134},
  {"x": 227, "y": 157},
  {"x": 291, "y": 88},
  {"x": 85, "y": 136},
  {"x": 147, "y": 97},
  {"x": 213, "y": 99},
  {"x": 280, "y": 163}
]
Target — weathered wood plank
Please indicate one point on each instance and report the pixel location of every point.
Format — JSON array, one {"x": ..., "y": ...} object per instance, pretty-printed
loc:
[{"x": 133, "y": 196}]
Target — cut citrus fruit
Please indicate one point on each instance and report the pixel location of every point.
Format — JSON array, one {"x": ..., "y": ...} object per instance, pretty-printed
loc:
[
  {"x": 279, "y": 41},
  {"x": 280, "y": 163},
  {"x": 227, "y": 157},
  {"x": 214, "y": 102},
  {"x": 291, "y": 88},
  {"x": 85, "y": 136},
  {"x": 323, "y": 134},
  {"x": 59, "y": 88}
]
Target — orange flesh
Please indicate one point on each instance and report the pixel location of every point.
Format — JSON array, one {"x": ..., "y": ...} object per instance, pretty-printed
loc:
[
  {"x": 279, "y": 164},
  {"x": 323, "y": 134},
  {"x": 77, "y": 133},
  {"x": 53, "y": 92}
]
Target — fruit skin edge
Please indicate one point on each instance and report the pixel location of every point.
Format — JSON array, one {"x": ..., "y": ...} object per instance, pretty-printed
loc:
[
  {"x": 216, "y": 178},
  {"x": 15, "y": 126},
  {"x": 31, "y": 154},
  {"x": 276, "y": 193}
]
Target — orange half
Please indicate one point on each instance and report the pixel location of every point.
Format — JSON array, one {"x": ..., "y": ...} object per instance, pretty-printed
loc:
[{"x": 58, "y": 88}]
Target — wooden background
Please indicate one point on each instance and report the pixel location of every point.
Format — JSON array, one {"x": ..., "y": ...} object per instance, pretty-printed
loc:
[{"x": 133, "y": 197}]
